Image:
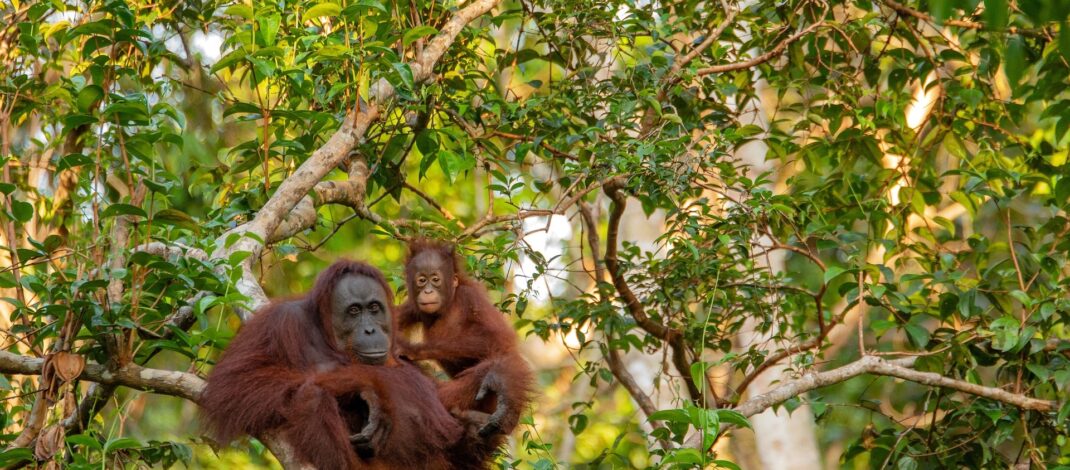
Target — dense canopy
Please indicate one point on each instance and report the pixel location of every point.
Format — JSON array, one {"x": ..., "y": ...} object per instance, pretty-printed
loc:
[{"x": 729, "y": 233}]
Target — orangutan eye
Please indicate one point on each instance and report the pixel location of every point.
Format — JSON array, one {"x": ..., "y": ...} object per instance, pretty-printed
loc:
[
  {"x": 435, "y": 280},
  {"x": 374, "y": 307},
  {"x": 354, "y": 310}
]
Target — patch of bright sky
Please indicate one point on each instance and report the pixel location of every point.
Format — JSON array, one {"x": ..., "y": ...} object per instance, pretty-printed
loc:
[{"x": 549, "y": 237}]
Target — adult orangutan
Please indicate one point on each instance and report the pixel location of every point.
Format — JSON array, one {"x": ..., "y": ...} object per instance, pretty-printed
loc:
[
  {"x": 322, "y": 371},
  {"x": 466, "y": 335}
]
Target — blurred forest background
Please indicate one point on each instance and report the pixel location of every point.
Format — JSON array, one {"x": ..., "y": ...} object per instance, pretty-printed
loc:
[{"x": 731, "y": 233}]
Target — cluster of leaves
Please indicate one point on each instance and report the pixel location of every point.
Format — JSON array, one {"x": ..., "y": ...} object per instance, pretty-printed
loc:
[{"x": 992, "y": 147}]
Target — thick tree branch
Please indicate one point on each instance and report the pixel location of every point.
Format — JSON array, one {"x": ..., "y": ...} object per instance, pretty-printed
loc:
[
  {"x": 876, "y": 366},
  {"x": 631, "y": 301},
  {"x": 350, "y": 192},
  {"x": 174, "y": 383},
  {"x": 165, "y": 382}
]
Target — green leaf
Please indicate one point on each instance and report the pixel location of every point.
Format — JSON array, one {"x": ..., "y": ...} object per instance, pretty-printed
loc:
[
  {"x": 176, "y": 218},
  {"x": 725, "y": 464},
  {"x": 376, "y": 4},
  {"x": 23, "y": 211},
  {"x": 73, "y": 160},
  {"x": 996, "y": 14},
  {"x": 940, "y": 9},
  {"x": 323, "y": 9},
  {"x": 919, "y": 335},
  {"x": 332, "y": 51},
  {"x": 1014, "y": 64},
  {"x": 832, "y": 272},
  {"x": 240, "y": 10},
  {"x": 232, "y": 57},
  {"x": 447, "y": 160},
  {"x": 733, "y": 417},
  {"x": 698, "y": 374},
  {"x": 906, "y": 463},
  {"x": 11, "y": 456},
  {"x": 1040, "y": 371},
  {"x": 121, "y": 443},
  {"x": 1006, "y": 331},
  {"x": 88, "y": 97},
  {"x": 405, "y": 73},
  {"x": 673, "y": 415},
  {"x": 7, "y": 280},
  {"x": 416, "y": 33},
  {"x": 123, "y": 209},
  {"x": 269, "y": 28},
  {"x": 1064, "y": 39},
  {"x": 577, "y": 423},
  {"x": 427, "y": 142},
  {"x": 686, "y": 457}
]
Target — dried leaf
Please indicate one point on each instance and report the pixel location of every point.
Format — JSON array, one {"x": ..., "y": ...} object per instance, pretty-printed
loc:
[
  {"x": 48, "y": 442},
  {"x": 49, "y": 382},
  {"x": 69, "y": 404},
  {"x": 68, "y": 365}
]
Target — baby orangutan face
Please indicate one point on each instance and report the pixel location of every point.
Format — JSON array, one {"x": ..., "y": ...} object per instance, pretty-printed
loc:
[{"x": 431, "y": 281}]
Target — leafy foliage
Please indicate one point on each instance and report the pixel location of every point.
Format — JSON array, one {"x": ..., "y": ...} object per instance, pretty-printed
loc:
[{"x": 809, "y": 168}]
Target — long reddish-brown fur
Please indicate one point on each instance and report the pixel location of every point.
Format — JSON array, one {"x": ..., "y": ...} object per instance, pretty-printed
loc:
[
  {"x": 283, "y": 371},
  {"x": 468, "y": 338}
]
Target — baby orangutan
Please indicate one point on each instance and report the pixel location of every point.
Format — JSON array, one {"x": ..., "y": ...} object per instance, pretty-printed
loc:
[{"x": 466, "y": 335}]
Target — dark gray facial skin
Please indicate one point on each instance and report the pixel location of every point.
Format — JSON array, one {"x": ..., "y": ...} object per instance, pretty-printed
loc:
[
  {"x": 430, "y": 274},
  {"x": 361, "y": 319}
]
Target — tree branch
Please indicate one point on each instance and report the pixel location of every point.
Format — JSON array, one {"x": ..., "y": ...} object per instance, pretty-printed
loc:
[
  {"x": 774, "y": 52},
  {"x": 172, "y": 250},
  {"x": 874, "y": 365},
  {"x": 899, "y": 368},
  {"x": 542, "y": 143},
  {"x": 350, "y": 192},
  {"x": 672, "y": 336},
  {"x": 616, "y": 366},
  {"x": 445, "y": 213},
  {"x": 711, "y": 37},
  {"x": 165, "y": 382},
  {"x": 631, "y": 301}
]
